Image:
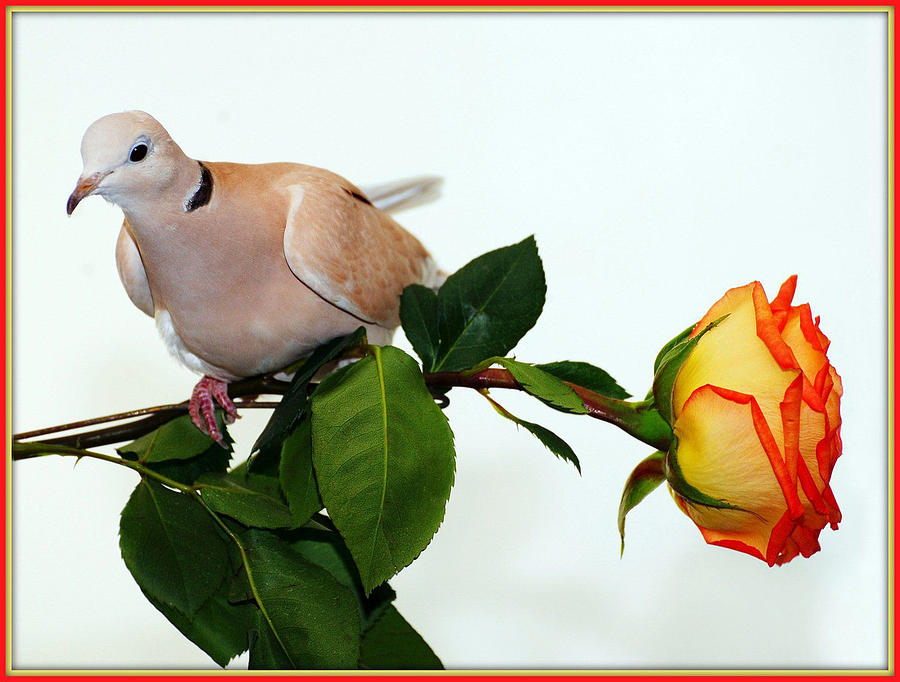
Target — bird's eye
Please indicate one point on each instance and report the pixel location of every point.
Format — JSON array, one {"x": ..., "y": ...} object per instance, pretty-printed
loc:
[{"x": 138, "y": 152}]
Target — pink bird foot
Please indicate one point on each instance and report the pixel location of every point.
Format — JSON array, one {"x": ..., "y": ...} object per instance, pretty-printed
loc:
[{"x": 202, "y": 407}]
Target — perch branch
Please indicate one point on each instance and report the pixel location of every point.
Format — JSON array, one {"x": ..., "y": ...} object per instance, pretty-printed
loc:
[{"x": 638, "y": 419}]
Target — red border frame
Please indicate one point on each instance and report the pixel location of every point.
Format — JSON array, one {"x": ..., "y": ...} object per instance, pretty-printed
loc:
[{"x": 894, "y": 303}]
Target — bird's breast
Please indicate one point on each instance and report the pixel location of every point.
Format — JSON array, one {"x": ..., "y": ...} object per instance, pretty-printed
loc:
[
  {"x": 226, "y": 302},
  {"x": 179, "y": 350}
]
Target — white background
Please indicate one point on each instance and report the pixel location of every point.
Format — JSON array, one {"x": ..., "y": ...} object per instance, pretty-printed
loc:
[{"x": 658, "y": 159}]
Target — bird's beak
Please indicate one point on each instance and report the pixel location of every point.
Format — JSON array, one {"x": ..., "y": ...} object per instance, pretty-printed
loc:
[{"x": 85, "y": 187}]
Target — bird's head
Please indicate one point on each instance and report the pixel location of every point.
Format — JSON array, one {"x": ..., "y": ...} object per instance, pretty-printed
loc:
[{"x": 126, "y": 156}]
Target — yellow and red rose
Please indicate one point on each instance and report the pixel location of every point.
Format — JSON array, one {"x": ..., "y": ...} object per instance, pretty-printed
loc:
[{"x": 755, "y": 412}]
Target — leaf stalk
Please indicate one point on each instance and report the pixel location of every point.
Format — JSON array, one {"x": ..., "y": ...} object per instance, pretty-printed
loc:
[{"x": 638, "y": 419}]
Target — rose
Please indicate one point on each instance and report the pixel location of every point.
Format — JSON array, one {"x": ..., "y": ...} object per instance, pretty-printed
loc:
[{"x": 755, "y": 412}]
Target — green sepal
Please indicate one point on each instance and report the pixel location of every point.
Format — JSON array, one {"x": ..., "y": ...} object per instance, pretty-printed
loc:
[
  {"x": 669, "y": 346},
  {"x": 668, "y": 368},
  {"x": 293, "y": 405},
  {"x": 645, "y": 478},
  {"x": 664, "y": 350},
  {"x": 685, "y": 490}
]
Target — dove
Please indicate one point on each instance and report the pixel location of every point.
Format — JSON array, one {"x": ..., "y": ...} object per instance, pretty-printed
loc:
[{"x": 247, "y": 268}]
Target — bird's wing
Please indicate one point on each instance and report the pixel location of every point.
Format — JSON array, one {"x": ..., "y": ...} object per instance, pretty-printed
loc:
[
  {"x": 350, "y": 253},
  {"x": 131, "y": 271},
  {"x": 400, "y": 195}
]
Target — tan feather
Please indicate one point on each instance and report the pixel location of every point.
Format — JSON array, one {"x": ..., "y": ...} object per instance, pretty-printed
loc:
[
  {"x": 347, "y": 251},
  {"x": 131, "y": 271},
  {"x": 282, "y": 257}
]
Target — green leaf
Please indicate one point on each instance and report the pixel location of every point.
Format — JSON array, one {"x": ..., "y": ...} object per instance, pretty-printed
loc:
[
  {"x": 241, "y": 470},
  {"x": 543, "y": 386},
  {"x": 327, "y": 550},
  {"x": 219, "y": 627},
  {"x": 488, "y": 305},
  {"x": 177, "y": 439},
  {"x": 586, "y": 375},
  {"x": 384, "y": 460},
  {"x": 292, "y": 407},
  {"x": 391, "y": 643},
  {"x": 643, "y": 480},
  {"x": 266, "y": 652},
  {"x": 308, "y": 619},
  {"x": 239, "y": 591},
  {"x": 266, "y": 462},
  {"x": 419, "y": 317},
  {"x": 252, "y": 500},
  {"x": 669, "y": 367},
  {"x": 297, "y": 478},
  {"x": 554, "y": 443},
  {"x": 214, "y": 460},
  {"x": 172, "y": 547}
]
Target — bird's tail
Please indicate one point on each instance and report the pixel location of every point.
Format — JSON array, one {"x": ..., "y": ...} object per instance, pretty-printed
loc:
[{"x": 402, "y": 194}]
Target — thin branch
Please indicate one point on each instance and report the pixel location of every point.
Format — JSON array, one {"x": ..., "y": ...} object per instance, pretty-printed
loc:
[
  {"x": 637, "y": 419},
  {"x": 120, "y": 416},
  {"x": 178, "y": 408},
  {"x": 155, "y": 416}
]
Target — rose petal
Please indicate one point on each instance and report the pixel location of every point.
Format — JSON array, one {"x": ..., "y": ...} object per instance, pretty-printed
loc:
[
  {"x": 757, "y": 407},
  {"x": 720, "y": 453},
  {"x": 807, "y": 351},
  {"x": 768, "y": 330},
  {"x": 733, "y": 356}
]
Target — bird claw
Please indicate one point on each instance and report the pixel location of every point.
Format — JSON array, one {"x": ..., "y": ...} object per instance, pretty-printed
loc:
[{"x": 202, "y": 407}]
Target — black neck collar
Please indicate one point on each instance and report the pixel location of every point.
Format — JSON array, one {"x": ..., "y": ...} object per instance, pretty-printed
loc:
[{"x": 203, "y": 193}]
